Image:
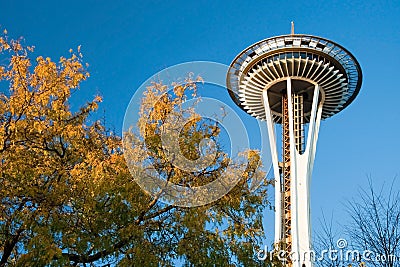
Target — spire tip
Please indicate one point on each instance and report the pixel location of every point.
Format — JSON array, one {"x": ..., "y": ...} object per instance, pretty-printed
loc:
[{"x": 292, "y": 30}]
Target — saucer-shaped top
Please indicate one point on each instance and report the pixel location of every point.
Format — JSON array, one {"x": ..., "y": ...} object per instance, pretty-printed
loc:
[{"x": 308, "y": 61}]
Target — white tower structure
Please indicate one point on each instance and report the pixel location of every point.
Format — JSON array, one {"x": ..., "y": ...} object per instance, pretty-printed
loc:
[{"x": 294, "y": 81}]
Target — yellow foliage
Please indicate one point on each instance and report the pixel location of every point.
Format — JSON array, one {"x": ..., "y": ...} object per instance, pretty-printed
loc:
[
  {"x": 67, "y": 197},
  {"x": 50, "y": 160}
]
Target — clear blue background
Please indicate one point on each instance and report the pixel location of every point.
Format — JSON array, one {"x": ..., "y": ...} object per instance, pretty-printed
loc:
[{"x": 126, "y": 42}]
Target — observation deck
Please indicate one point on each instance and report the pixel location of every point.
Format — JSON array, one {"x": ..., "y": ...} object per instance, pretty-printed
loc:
[{"x": 308, "y": 60}]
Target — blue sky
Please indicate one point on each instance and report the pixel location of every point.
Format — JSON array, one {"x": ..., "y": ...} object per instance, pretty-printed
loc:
[{"x": 126, "y": 42}]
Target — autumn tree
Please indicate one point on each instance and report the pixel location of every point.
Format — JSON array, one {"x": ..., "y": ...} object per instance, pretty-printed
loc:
[{"x": 68, "y": 197}]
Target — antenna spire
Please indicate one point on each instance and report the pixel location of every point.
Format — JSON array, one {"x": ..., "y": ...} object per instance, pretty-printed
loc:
[{"x": 292, "y": 30}]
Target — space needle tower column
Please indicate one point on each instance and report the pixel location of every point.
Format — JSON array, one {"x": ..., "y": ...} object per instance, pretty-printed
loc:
[{"x": 293, "y": 82}]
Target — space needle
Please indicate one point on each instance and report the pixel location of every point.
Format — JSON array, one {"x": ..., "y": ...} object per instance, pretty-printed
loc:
[{"x": 293, "y": 82}]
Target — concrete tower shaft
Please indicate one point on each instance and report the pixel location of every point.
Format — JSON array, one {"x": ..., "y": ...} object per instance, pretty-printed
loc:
[
  {"x": 293, "y": 173},
  {"x": 294, "y": 80}
]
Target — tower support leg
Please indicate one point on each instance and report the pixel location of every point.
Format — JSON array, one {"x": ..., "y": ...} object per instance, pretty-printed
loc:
[
  {"x": 275, "y": 165},
  {"x": 301, "y": 166}
]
